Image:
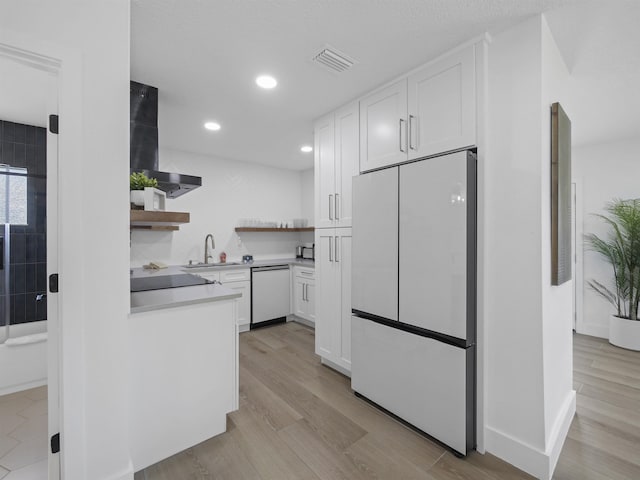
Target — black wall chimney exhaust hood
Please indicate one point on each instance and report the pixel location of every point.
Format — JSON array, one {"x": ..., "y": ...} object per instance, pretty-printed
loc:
[{"x": 144, "y": 143}]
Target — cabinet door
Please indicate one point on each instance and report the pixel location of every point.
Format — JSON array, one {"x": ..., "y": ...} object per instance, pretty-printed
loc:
[
  {"x": 442, "y": 105},
  {"x": 324, "y": 162},
  {"x": 311, "y": 300},
  {"x": 244, "y": 304},
  {"x": 383, "y": 122},
  {"x": 347, "y": 157},
  {"x": 343, "y": 260},
  {"x": 299, "y": 304},
  {"x": 327, "y": 308}
]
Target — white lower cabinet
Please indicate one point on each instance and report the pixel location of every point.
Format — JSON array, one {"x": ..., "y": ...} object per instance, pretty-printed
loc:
[
  {"x": 333, "y": 288},
  {"x": 238, "y": 280},
  {"x": 304, "y": 294}
]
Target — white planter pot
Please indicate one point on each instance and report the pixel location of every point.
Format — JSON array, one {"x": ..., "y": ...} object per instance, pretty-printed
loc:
[
  {"x": 624, "y": 333},
  {"x": 137, "y": 197}
]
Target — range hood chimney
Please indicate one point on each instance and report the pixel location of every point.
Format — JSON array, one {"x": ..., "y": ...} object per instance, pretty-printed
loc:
[{"x": 144, "y": 142}]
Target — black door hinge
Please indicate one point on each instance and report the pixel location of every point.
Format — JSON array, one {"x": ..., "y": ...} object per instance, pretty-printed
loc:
[
  {"x": 53, "y": 283},
  {"x": 55, "y": 443},
  {"x": 53, "y": 124}
]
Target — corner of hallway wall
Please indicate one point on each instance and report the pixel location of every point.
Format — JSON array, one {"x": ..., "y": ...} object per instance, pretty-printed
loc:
[
  {"x": 557, "y": 325},
  {"x": 525, "y": 422}
]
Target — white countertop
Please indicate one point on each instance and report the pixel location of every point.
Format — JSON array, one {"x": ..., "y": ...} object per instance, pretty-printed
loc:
[{"x": 180, "y": 296}]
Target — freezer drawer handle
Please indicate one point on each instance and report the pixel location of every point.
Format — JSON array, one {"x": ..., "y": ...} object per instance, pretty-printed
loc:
[{"x": 337, "y": 243}]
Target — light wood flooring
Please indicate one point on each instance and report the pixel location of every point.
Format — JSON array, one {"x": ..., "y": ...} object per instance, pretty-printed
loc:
[{"x": 300, "y": 420}]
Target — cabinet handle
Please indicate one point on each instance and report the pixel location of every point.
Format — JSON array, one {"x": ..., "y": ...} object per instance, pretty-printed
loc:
[
  {"x": 330, "y": 207},
  {"x": 400, "y": 135},
  {"x": 411, "y": 117},
  {"x": 303, "y": 292},
  {"x": 331, "y": 249},
  {"x": 306, "y": 292},
  {"x": 337, "y": 215},
  {"x": 337, "y": 243}
]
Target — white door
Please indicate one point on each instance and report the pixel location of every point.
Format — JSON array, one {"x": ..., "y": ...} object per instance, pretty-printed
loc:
[
  {"x": 347, "y": 157},
  {"x": 383, "y": 127},
  {"x": 324, "y": 159},
  {"x": 442, "y": 105},
  {"x": 433, "y": 244},
  {"x": 343, "y": 260},
  {"x": 327, "y": 324},
  {"x": 375, "y": 243}
]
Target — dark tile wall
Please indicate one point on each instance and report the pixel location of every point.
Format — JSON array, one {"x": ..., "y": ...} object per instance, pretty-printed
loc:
[{"x": 25, "y": 146}]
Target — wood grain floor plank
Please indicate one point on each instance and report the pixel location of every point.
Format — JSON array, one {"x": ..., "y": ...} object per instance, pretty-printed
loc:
[
  {"x": 379, "y": 463},
  {"x": 496, "y": 468},
  {"x": 603, "y": 384},
  {"x": 255, "y": 396},
  {"x": 267, "y": 452},
  {"x": 326, "y": 463}
]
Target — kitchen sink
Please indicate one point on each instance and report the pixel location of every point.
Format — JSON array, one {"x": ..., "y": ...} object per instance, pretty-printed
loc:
[{"x": 211, "y": 265}]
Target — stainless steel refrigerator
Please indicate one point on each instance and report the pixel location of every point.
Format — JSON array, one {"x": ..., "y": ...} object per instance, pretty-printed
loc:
[{"x": 414, "y": 294}]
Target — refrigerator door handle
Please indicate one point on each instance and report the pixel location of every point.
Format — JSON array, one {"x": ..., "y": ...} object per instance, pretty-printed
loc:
[
  {"x": 337, "y": 209},
  {"x": 400, "y": 135}
]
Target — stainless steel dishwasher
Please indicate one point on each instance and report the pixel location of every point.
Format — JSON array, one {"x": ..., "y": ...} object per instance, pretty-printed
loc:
[{"x": 270, "y": 290}]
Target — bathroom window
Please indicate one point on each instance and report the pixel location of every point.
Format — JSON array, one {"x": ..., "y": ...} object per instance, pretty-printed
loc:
[{"x": 13, "y": 195}]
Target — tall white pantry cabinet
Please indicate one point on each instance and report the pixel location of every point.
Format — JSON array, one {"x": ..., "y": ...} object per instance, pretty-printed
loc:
[{"x": 336, "y": 162}]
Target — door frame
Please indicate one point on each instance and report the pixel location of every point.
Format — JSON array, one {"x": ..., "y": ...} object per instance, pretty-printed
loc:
[
  {"x": 578, "y": 256},
  {"x": 65, "y": 365}
]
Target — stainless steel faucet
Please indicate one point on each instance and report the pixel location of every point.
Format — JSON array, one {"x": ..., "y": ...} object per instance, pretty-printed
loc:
[{"x": 207, "y": 255}]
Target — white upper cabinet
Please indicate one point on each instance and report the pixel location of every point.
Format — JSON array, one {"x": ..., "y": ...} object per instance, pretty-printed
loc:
[
  {"x": 336, "y": 162},
  {"x": 383, "y": 127},
  {"x": 432, "y": 111},
  {"x": 324, "y": 173},
  {"x": 442, "y": 99}
]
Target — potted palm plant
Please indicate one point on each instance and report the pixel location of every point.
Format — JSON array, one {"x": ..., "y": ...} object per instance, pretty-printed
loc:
[
  {"x": 621, "y": 249},
  {"x": 138, "y": 181}
]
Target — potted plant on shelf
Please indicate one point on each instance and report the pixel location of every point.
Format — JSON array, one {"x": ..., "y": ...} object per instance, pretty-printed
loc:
[
  {"x": 138, "y": 181},
  {"x": 621, "y": 249}
]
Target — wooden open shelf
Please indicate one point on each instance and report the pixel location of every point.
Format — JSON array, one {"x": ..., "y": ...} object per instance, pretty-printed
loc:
[
  {"x": 258, "y": 229},
  {"x": 157, "y": 221}
]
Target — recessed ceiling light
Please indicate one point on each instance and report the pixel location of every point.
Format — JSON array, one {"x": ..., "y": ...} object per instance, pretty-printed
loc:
[
  {"x": 266, "y": 81},
  {"x": 306, "y": 148},
  {"x": 212, "y": 126}
]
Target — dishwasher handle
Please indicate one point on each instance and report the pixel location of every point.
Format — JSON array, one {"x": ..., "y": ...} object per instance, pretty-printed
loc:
[{"x": 273, "y": 267}]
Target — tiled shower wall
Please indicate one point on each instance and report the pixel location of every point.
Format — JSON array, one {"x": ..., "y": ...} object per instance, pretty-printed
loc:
[{"x": 25, "y": 146}]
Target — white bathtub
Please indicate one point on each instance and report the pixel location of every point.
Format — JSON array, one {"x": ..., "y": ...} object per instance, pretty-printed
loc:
[{"x": 23, "y": 360}]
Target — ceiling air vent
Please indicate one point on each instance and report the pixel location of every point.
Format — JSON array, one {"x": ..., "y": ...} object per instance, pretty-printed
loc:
[{"x": 333, "y": 60}]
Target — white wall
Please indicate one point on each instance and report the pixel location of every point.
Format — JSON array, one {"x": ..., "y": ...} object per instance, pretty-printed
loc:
[
  {"x": 230, "y": 190},
  {"x": 603, "y": 171},
  {"x": 520, "y": 307},
  {"x": 308, "y": 198},
  {"x": 93, "y": 40}
]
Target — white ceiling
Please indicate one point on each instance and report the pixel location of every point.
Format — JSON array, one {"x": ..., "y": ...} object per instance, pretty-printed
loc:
[{"x": 204, "y": 56}]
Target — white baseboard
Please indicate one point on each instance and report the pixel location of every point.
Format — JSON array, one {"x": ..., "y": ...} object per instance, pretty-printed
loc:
[
  {"x": 593, "y": 329},
  {"x": 526, "y": 457},
  {"x": 295, "y": 318},
  {"x": 126, "y": 474}
]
